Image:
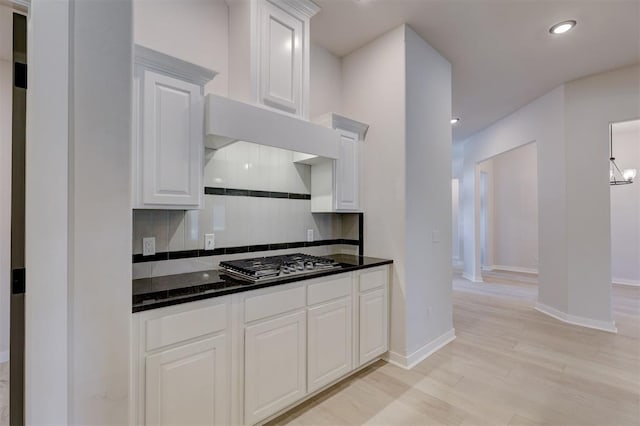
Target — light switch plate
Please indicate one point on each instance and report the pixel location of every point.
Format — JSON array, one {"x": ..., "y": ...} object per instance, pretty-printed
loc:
[
  {"x": 209, "y": 241},
  {"x": 149, "y": 246},
  {"x": 435, "y": 236},
  {"x": 310, "y": 235}
]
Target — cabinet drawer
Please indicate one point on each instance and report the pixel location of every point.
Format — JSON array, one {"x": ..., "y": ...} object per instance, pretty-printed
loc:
[
  {"x": 328, "y": 289},
  {"x": 273, "y": 303},
  {"x": 373, "y": 278},
  {"x": 183, "y": 326}
]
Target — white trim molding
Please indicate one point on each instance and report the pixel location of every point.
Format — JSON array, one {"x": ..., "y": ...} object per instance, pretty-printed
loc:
[
  {"x": 514, "y": 269},
  {"x": 472, "y": 278},
  {"x": 4, "y": 356},
  {"x": 172, "y": 66},
  {"x": 624, "y": 281},
  {"x": 337, "y": 121},
  {"x": 409, "y": 361},
  {"x": 609, "y": 326}
]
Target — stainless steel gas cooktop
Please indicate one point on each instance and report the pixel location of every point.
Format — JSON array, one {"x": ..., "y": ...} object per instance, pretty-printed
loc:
[{"x": 262, "y": 269}]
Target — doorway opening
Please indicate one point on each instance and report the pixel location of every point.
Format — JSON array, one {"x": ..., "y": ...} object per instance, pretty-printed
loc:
[
  {"x": 13, "y": 101},
  {"x": 625, "y": 206},
  {"x": 507, "y": 215}
]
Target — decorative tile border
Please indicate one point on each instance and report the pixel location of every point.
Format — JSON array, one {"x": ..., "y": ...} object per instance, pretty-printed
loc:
[
  {"x": 210, "y": 190},
  {"x": 183, "y": 254}
]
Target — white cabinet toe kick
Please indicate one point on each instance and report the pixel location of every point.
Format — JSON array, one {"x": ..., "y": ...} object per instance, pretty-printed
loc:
[{"x": 248, "y": 357}]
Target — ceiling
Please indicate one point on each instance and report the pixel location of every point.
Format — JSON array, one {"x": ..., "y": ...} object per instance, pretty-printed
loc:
[{"x": 501, "y": 52}]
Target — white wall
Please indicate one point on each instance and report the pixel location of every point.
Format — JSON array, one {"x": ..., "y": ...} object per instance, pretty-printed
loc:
[
  {"x": 457, "y": 167},
  {"x": 455, "y": 222},
  {"x": 100, "y": 212},
  {"x": 196, "y": 31},
  {"x": 428, "y": 195},
  {"x": 515, "y": 209},
  {"x": 592, "y": 103},
  {"x": 47, "y": 236},
  {"x": 325, "y": 75},
  {"x": 625, "y": 209},
  {"x": 541, "y": 121},
  {"x": 570, "y": 126},
  {"x": 406, "y": 180},
  {"x": 78, "y": 254},
  {"x": 374, "y": 72},
  {"x": 6, "y": 85},
  {"x": 485, "y": 168}
]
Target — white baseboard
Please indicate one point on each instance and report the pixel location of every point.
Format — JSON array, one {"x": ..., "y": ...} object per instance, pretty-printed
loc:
[
  {"x": 413, "y": 359},
  {"x": 623, "y": 281},
  {"x": 609, "y": 326},
  {"x": 514, "y": 269},
  {"x": 472, "y": 278},
  {"x": 4, "y": 356},
  {"x": 457, "y": 263}
]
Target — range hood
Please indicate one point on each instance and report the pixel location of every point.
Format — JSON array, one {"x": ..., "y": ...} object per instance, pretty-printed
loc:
[{"x": 228, "y": 121}]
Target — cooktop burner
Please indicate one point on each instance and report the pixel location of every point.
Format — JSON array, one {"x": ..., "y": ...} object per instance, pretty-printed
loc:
[{"x": 261, "y": 269}]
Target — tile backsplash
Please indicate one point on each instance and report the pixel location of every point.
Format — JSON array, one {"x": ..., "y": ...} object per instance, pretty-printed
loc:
[
  {"x": 258, "y": 167},
  {"x": 242, "y": 220}
]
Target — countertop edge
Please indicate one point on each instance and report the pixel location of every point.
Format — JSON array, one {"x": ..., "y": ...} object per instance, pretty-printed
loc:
[{"x": 224, "y": 292}]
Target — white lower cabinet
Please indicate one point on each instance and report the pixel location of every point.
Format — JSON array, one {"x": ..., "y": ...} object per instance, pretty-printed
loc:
[
  {"x": 187, "y": 385},
  {"x": 246, "y": 357},
  {"x": 275, "y": 365},
  {"x": 373, "y": 325},
  {"x": 181, "y": 364},
  {"x": 330, "y": 342},
  {"x": 373, "y": 313}
]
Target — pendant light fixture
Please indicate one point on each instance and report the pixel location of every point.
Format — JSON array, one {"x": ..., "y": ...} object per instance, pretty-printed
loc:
[{"x": 616, "y": 176}]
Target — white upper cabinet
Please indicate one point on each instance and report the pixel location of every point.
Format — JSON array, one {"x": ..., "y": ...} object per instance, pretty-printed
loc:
[
  {"x": 335, "y": 185},
  {"x": 271, "y": 37},
  {"x": 168, "y": 123},
  {"x": 281, "y": 59}
]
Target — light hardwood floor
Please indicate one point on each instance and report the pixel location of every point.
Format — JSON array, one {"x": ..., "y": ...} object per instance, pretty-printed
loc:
[
  {"x": 4, "y": 393},
  {"x": 510, "y": 365}
]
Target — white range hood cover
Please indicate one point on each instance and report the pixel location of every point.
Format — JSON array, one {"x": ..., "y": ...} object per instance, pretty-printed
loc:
[{"x": 228, "y": 121}]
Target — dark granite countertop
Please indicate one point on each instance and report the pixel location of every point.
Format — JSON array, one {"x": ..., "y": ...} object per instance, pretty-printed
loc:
[{"x": 158, "y": 292}]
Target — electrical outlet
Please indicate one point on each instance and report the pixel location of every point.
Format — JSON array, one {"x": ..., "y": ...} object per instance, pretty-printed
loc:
[
  {"x": 149, "y": 246},
  {"x": 310, "y": 235},
  {"x": 209, "y": 241},
  {"x": 429, "y": 312},
  {"x": 435, "y": 236}
]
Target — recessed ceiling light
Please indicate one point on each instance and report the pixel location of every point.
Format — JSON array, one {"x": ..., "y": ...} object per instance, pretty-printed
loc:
[
  {"x": 562, "y": 27},
  {"x": 455, "y": 120}
]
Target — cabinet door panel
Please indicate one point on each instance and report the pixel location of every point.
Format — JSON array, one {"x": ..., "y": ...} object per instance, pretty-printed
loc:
[
  {"x": 373, "y": 325},
  {"x": 275, "y": 365},
  {"x": 172, "y": 141},
  {"x": 188, "y": 385},
  {"x": 281, "y": 58},
  {"x": 347, "y": 168},
  {"x": 330, "y": 342}
]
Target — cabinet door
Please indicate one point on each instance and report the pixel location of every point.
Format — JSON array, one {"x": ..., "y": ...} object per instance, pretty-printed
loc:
[
  {"x": 172, "y": 142},
  {"x": 330, "y": 342},
  {"x": 280, "y": 83},
  {"x": 188, "y": 385},
  {"x": 373, "y": 325},
  {"x": 275, "y": 365},
  {"x": 347, "y": 170}
]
